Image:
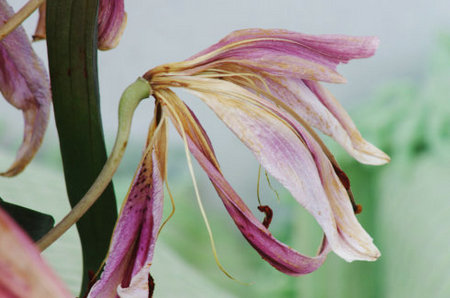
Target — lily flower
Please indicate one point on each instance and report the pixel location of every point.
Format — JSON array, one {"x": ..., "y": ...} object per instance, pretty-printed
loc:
[
  {"x": 23, "y": 273},
  {"x": 264, "y": 85},
  {"x": 25, "y": 85}
]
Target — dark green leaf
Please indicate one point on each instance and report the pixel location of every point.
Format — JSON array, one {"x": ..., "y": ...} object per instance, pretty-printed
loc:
[{"x": 35, "y": 223}]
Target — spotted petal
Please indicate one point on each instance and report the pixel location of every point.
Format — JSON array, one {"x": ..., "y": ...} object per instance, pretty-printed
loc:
[
  {"x": 24, "y": 84},
  {"x": 131, "y": 251}
]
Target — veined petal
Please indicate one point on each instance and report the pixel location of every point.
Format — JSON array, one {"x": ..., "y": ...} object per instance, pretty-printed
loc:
[
  {"x": 276, "y": 253},
  {"x": 286, "y": 53},
  {"x": 363, "y": 151},
  {"x": 315, "y": 105},
  {"x": 112, "y": 20},
  {"x": 293, "y": 157},
  {"x": 133, "y": 242},
  {"x": 24, "y": 83},
  {"x": 23, "y": 273},
  {"x": 340, "y": 48}
]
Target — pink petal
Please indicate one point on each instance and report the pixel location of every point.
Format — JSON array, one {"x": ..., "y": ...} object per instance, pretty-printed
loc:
[
  {"x": 320, "y": 109},
  {"x": 133, "y": 241},
  {"x": 23, "y": 273},
  {"x": 24, "y": 84},
  {"x": 279, "y": 255},
  {"x": 362, "y": 150},
  {"x": 294, "y": 158},
  {"x": 286, "y": 53},
  {"x": 112, "y": 20}
]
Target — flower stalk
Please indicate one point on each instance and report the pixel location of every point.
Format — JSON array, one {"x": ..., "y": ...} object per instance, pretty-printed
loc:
[{"x": 129, "y": 101}]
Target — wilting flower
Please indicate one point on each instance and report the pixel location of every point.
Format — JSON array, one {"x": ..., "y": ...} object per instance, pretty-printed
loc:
[
  {"x": 24, "y": 84},
  {"x": 23, "y": 273},
  {"x": 263, "y": 84}
]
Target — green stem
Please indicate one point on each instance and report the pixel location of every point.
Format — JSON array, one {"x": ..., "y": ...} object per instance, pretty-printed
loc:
[
  {"x": 72, "y": 52},
  {"x": 130, "y": 99}
]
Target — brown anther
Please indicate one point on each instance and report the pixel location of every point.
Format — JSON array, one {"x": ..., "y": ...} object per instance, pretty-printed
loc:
[
  {"x": 357, "y": 209},
  {"x": 151, "y": 286},
  {"x": 342, "y": 177},
  {"x": 268, "y": 215}
]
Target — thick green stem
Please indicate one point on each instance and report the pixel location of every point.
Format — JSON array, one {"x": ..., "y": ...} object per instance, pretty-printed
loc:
[{"x": 72, "y": 52}]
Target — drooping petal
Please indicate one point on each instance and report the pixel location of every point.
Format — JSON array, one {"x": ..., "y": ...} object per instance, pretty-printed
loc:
[
  {"x": 24, "y": 83},
  {"x": 293, "y": 157},
  {"x": 364, "y": 151},
  {"x": 23, "y": 273},
  {"x": 286, "y": 53},
  {"x": 112, "y": 20},
  {"x": 279, "y": 255},
  {"x": 131, "y": 251},
  {"x": 318, "y": 108}
]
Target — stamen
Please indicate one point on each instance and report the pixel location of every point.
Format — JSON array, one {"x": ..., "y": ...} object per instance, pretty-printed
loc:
[
  {"x": 268, "y": 215},
  {"x": 270, "y": 185},
  {"x": 172, "y": 202},
  {"x": 197, "y": 193},
  {"x": 346, "y": 183},
  {"x": 19, "y": 17},
  {"x": 257, "y": 185},
  {"x": 265, "y": 208},
  {"x": 130, "y": 99}
]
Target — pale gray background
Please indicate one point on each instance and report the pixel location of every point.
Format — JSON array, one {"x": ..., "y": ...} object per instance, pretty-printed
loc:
[{"x": 165, "y": 31}]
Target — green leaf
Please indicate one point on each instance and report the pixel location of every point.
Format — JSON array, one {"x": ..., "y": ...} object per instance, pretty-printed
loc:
[
  {"x": 35, "y": 223},
  {"x": 72, "y": 52}
]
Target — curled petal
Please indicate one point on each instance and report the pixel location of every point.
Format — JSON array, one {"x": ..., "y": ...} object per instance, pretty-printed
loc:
[
  {"x": 23, "y": 273},
  {"x": 24, "y": 84},
  {"x": 131, "y": 251},
  {"x": 279, "y": 255},
  {"x": 112, "y": 20},
  {"x": 294, "y": 158}
]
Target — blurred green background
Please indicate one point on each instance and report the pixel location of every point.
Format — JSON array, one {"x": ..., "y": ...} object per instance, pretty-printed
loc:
[{"x": 406, "y": 204}]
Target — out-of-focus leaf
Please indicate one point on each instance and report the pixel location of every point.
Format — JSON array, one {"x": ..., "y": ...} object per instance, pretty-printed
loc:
[{"x": 35, "y": 223}]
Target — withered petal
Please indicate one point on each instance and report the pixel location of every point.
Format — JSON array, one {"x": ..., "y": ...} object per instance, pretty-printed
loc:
[{"x": 24, "y": 84}]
